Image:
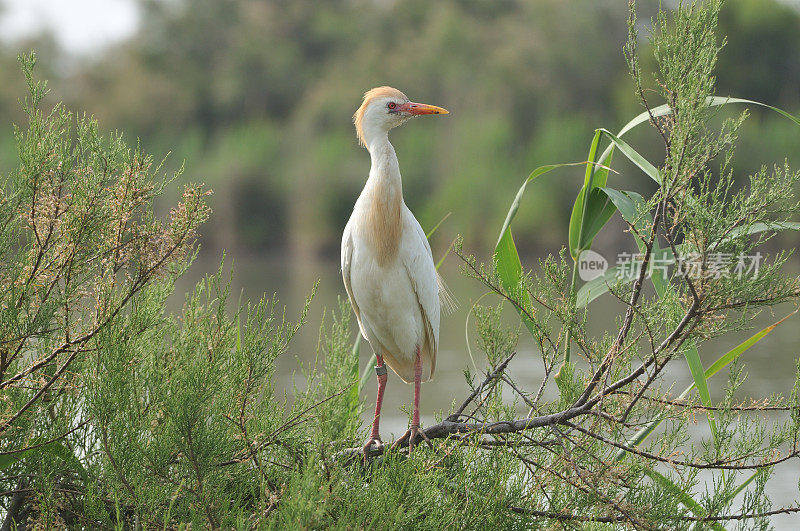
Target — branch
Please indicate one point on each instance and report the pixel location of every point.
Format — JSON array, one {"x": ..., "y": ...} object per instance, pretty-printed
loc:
[
  {"x": 45, "y": 443},
  {"x": 18, "y": 498},
  {"x": 718, "y": 465},
  {"x": 247, "y": 453},
  {"x": 568, "y": 516},
  {"x": 489, "y": 377},
  {"x": 449, "y": 427},
  {"x": 571, "y": 517}
]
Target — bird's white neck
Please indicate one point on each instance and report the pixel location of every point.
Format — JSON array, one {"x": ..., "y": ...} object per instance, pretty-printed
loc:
[
  {"x": 383, "y": 200},
  {"x": 385, "y": 170}
]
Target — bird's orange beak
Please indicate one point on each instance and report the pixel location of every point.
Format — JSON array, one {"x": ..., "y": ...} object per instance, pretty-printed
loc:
[{"x": 418, "y": 109}]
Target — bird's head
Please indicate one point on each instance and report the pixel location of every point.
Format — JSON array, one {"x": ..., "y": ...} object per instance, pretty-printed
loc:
[{"x": 384, "y": 108}]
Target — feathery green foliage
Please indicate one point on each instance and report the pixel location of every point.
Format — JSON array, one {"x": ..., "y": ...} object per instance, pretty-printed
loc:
[{"x": 116, "y": 413}]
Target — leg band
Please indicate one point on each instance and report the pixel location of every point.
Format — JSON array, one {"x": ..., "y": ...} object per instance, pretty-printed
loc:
[{"x": 380, "y": 370}]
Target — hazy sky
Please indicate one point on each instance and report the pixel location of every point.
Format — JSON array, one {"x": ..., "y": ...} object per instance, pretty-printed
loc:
[
  {"x": 83, "y": 27},
  {"x": 80, "y": 26}
]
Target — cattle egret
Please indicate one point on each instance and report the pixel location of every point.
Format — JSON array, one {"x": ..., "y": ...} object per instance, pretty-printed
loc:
[{"x": 387, "y": 264}]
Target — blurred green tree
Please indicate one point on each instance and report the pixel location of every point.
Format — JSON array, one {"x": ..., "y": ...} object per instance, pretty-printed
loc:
[{"x": 257, "y": 97}]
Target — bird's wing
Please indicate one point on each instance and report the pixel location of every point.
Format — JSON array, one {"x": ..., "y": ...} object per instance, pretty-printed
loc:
[
  {"x": 446, "y": 300},
  {"x": 418, "y": 260},
  {"x": 347, "y": 260}
]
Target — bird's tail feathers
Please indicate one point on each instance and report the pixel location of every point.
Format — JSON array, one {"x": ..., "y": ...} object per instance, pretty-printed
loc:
[{"x": 447, "y": 301}]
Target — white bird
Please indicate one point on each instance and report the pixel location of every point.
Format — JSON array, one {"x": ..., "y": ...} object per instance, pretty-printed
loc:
[{"x": 387, "y": 265}]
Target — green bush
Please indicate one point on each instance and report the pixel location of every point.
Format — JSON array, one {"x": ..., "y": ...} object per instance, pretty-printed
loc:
[{"x": 116, "y": 413}]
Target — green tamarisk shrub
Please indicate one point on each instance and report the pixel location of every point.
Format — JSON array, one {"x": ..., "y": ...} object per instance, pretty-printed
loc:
[{"x": 117, "y": 413}]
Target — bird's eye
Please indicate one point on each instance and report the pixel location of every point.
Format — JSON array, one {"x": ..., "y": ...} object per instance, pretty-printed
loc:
[{"x": 392, "y": 105}]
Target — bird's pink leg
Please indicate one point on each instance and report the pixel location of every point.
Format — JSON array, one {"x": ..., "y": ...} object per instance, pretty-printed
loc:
[
  {"x": 375, "y": 437},
  {"x": 414, "y": 431},
  {"x": 417, "y": 382}
]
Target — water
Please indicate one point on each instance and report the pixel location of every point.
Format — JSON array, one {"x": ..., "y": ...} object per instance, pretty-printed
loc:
[{"x": 770, "y": 363}]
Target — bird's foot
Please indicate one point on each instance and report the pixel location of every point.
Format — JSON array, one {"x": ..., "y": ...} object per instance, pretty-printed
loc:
[
  {"x": 411, "y": 435},
  {"x": 373, "y": 443}
]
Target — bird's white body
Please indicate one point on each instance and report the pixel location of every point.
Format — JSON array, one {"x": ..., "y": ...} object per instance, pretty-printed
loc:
[
  {"x": 388, "y": 271},
  {"x": 387, "y": 264}
]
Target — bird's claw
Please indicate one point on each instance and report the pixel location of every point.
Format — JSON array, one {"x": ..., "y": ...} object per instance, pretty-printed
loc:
[
  {"x": 373, "y": 443},
  {"x": 411, "y": 435}
]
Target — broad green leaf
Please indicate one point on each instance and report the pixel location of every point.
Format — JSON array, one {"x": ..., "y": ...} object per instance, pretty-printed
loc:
[
  {"x": 508, "y": 264},
  {"x": 598, "y": 211},
  {"x": 590, "y": 169},
  {"x": 538, "y": 172},
  {"x": 578, "y": 218},
  {"x": 633, "y": 155},
  {"x": 700, "y": 382},
  {"x": 631, "y": 207},
  {"x": 509, "y": 269},
  {"x": 575, "y": 224},
  {"x": 597, "y": 286},
  {"x": 506, "y": 257},
  {"x": 598, "y": 180},
  {"x": 602, "y": 170},
  {"x": 761, "y": 226},
  {"x": 586, "y": 225},
  {"x": 628, "y": 204}
]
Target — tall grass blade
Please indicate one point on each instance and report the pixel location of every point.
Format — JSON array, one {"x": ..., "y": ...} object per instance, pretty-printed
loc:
[
  {"x": 577, "y": 222},
  {"x": 367, "y": 372},
  {"x": 509, "y": 270},
  {"x": 745, "y": 483},
  {"x": 715, "y": 367},
  {"x": 430, "y": 232},
  {"x": 633, "y": 155},
  {"x": 445, "y": 255},
  {"x": 737, "y": 351},
  {"x": 663, "y": 110},
  {"x": 760, "y": 226},
  {"x": 598, "y": 211},
  {"x": 506, "y": 257},
  {"x": 684, "y": 498},
  {"x": 700, "y": 382},
  {"x": 512, "y": 210}
]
